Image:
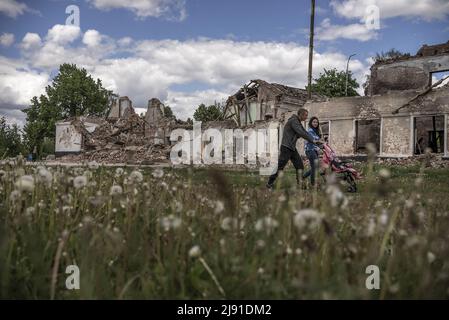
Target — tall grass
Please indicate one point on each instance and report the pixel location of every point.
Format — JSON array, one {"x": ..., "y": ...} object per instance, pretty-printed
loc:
[{"x": 195, "y": 234}]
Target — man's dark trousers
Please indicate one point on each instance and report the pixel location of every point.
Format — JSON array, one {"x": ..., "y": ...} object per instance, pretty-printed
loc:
[{"x": 287, "y": 154}]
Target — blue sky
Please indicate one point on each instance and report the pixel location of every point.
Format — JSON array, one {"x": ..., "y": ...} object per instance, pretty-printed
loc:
[{"x": 193, "y": 51}]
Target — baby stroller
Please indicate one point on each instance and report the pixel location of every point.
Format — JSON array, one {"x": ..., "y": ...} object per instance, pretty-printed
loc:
[{"x": 341, "y": 168}]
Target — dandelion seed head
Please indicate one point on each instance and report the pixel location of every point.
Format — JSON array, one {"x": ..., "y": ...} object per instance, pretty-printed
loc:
[
  {"x": 119, "y": 172},
  {"x": 229, "y": 223},
  {"x": 93, "y": 165},
  {"x": 45, "y": 176},
  {"x": 136, "y": 176},
  {"x": 267, "y": 224},
  {"x": 307, "y": 218},
  {"x": 260, "y": 243},
  {"x": 282, "y": 198},
  {"x": 158, "y": 173},
  {"x": 219, "y": 206},
  {"x": 14, "y": 195},
  {"x": 409, "y": 203},
  {"x": 25, "y": 183},
  {"x": 116, "y": 190},
  {"x": 383, "y": 218},
  {"x": 384, "y": 173},
  {"x": 195, "y": 252},
  {"x": 170, "y": 222},
  {"x": 430, "y": 257},
  {"x": 80, "y": 182}
]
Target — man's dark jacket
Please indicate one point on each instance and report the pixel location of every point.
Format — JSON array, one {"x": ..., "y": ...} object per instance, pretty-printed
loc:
[{"x": 293, "y": 130}]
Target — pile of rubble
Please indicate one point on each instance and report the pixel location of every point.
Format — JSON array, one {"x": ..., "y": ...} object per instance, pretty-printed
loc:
[
  {"x": 121, "y": 141},
  {"x": 429, "y": 160}
]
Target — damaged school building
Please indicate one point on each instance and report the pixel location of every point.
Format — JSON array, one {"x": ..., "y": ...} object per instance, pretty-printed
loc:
[{"x": 403, "y": 113}]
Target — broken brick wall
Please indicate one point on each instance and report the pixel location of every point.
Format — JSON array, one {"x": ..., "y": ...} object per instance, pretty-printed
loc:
[{"x": 405, "y": 74}]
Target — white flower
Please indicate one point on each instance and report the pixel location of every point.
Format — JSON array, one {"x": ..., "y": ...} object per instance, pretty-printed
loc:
[
  {"x": 116, "y": 190},
  {"x": 194, "y": 252},
  {"x": 158, "y": 173},
  {"x": 25, "y": 183},
  {"x": 267, "y": 223},
  {"x": 14, "y": 196},
  {"x": 136, "y": 176},
  {"x": 307, "y": 218},
  {"x": 219, "y": 206},
  {"x": 80, "y": 182}
]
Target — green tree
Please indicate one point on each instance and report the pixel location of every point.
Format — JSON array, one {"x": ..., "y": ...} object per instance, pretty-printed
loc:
[
  {"x": 211, "y": 113},
  {"x": 332, "y": 83},
  {"x": 168, "y": 112},
  {"x": 11, "y": 143},
  {"x": 72, "y": 93}
]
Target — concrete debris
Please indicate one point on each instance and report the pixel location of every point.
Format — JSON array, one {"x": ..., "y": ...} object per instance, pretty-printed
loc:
[{"x": 123, "y": 138}]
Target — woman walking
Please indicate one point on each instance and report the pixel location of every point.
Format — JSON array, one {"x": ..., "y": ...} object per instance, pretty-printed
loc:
[{"x": 312, "y": 149}]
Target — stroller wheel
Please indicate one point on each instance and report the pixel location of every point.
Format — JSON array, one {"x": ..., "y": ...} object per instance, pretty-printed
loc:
[{"x": 352, "y": 184}]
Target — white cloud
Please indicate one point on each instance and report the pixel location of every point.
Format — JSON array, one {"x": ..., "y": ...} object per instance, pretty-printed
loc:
[
  {"x": 327, "y": 31},
  {"x": 161, "y": 68},
  {"x": 18, "y": 84},
  {"x": 6, "y": 39},
  {"x": 91, "y": 38},
  {"x": 184, "y": 104},
  {"x": 13, "y": 8},
  {"x": 169, "y": 9},
  {"x": 31, "y": 41},
  {"x": 63, "y": 34},
  {"x": 425, "y": 9}
]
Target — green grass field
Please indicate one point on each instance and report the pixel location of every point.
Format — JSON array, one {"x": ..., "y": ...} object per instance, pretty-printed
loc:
[{"x": 210, "y": 234}]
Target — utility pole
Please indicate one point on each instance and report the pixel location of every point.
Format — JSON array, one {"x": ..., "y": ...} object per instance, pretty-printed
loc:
[
  {"x": 312, "y": 23},
  {"x": 347, "y": 75}
]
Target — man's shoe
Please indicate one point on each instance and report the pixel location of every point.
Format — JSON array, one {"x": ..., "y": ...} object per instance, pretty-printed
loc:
[{"x": 269, "y": 186}]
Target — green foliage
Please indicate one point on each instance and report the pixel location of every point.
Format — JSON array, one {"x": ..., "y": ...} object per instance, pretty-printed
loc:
[
  {"x": 390, "y": 54},
  {"x": 332, "y": 83},
  {"x": 73, "y": 92},
  {"x": 168, "y": 112},
  {"x": 210, "y": 113},
  {"x": 11, "y": 143}
]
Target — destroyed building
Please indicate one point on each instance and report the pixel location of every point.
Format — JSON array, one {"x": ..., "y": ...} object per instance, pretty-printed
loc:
[
  {"x": 404, "y": 113},
  {"x": 259, "y": 100}
]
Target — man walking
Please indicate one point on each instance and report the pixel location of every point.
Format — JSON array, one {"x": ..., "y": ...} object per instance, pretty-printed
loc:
[{"x": 293, "y": 130}]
